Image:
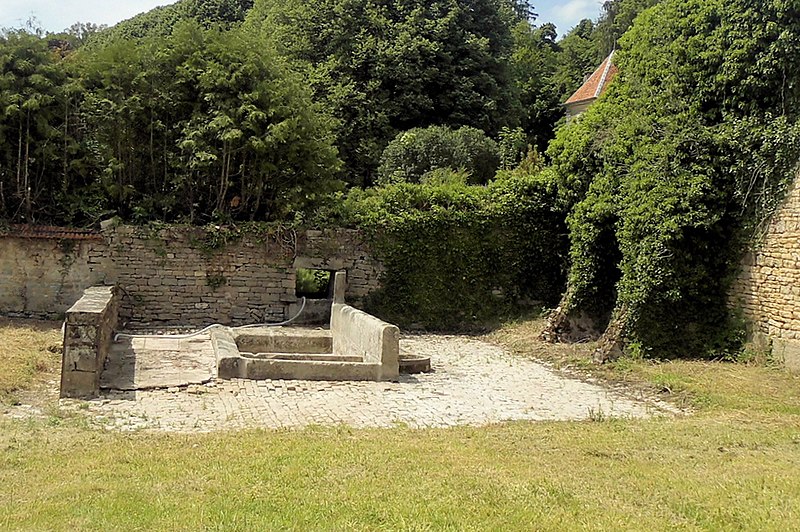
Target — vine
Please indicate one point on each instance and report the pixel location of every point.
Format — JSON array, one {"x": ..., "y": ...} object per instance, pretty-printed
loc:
[
  {"x": 460, "y": 257},
  {"x": 670, "y": 175},
  {"x": 212, "y": 238}
]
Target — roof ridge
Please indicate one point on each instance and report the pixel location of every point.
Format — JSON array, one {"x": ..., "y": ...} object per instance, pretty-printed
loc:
[{"x": 602, "y": 82}]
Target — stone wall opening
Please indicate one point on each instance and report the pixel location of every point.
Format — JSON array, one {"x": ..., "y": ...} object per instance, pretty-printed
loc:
[{"x": 314, "y": 283}]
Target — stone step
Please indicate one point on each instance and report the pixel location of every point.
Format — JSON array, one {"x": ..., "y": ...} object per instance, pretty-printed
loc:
[
  {"x": 283, "y": 342},
  {"x": 310, "y": 357}
]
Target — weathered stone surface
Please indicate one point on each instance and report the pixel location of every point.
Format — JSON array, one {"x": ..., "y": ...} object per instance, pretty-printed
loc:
[
  {"x": 357, "y": 333},
  {"x": 473, "y": 383},
  {"x": 168, "y": 279},
  {"x": 88, "y": 331},
  {"x": 787, "y": 352},
  {"x": 767, "y": 289},
  {"x": 142, "y": 364}
]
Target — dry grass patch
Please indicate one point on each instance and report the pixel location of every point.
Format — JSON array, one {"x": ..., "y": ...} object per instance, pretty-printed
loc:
[
  {"x": 28, "y": 349},
  {"x": 522, "y": 337}
]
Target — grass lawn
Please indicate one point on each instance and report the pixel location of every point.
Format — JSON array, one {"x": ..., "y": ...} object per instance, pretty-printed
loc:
[{"x": 734, "y": 464}]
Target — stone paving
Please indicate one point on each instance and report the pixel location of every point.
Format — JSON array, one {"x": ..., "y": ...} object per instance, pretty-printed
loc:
[
  {"x": 141, "y": 363},
  {"x": 473, "y": 383}
]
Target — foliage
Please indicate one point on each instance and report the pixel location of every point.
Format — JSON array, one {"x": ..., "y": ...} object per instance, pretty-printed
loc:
[
  {"x": 588, "y": 43},
  {"x": 202, "y": 125},
  {"x": 459, "y": 256},
  {"x": 576, "y": 59},
  {"x": 161, "y": 21},
  {"x": 415, "y": 153},
  {"x": 616, "y": 18},
  {"x": 534, "y": 66},
  {"x": 313, "y": 283},
  {"x": 178, "y": 115},
  {"x": 386, "y": 67},
  {"x": 512, "y": 147},
  {"x": 36, "y": 146},
  {"x": 665, "y": 175}
]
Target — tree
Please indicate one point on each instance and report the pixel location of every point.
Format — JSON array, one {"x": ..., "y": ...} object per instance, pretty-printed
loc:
[
  {"x": 385, "y": 67},
  {"x": 34, "y": 116},
  {"x": 534, "y": 65},
  {"x": 159, "y": 22},
  {"x": 415, "y": 153},
  {"x": 615, "y": 19},
  {"x": 204, "y": 125},
  {"x": 576, "y": 58},
  {"x": 668, "y": 173},
  {"x": 524, "y": 10}
]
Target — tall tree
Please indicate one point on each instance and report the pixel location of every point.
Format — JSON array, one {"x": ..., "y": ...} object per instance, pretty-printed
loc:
[
  {"x": 159, "y": 22},
  {"x": 615, "y": 19},
  {"x": 577, "y": 57},
  {"x": 384, "y": 67},
  {"x": 535, "y": 64},
  {"x": 34, "y": 114},
  {"x": 205, "y": 125},
  {"x": 669, "y": 172}
]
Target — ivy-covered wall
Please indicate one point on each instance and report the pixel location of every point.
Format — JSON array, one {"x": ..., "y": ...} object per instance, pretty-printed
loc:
[{"x": 463, "y": 257}]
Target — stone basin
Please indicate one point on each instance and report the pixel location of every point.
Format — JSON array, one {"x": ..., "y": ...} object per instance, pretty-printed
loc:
[{"x": 356, "y": 347}]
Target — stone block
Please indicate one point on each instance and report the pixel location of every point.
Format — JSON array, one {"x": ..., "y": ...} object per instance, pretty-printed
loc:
[
  {"x": 81, "y": 358},
  {"x": 787, "y": 352},
  {"x": 78, "y": 384}
]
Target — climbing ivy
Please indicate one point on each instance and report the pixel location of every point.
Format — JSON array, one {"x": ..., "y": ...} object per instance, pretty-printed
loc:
[
  {"x": 672, "y": 172},
  {"x": 460, "y": 256}
]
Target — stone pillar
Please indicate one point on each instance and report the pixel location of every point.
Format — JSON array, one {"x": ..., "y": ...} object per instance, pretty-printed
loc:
[
  {"x": 88, "y": 334},
  {"x": 339, "y": 286}
]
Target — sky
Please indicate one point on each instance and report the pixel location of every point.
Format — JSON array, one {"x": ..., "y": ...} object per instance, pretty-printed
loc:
[
  {"x": 56, "y": 15},
  {"x": 566, "y": 14}
]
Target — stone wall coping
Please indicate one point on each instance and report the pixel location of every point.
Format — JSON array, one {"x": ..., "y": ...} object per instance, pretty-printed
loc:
[{"x": 95, "y": 300}]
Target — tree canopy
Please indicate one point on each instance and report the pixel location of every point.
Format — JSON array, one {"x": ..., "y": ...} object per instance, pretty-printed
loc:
[
  {"x": 197, "y": 126},
  {"x": 385, "y": 67},
  {"x": 666, "y": 176}
]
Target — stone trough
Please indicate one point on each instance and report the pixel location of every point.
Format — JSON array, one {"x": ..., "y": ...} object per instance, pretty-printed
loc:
[{"x": 357, "y": 347}]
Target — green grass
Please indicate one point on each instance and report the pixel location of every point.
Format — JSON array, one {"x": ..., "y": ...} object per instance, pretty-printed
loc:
[{"x": 733, "y": 465}]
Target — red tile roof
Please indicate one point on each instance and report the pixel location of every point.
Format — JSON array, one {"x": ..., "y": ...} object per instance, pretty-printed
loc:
[
  {"x": 597, "y": 82},
  {"x": 50, "y": 232}
]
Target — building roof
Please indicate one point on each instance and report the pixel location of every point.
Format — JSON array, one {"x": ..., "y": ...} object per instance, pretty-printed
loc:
[
  {"x": 50, "y": 232},
  {"x": 597, "y": 82}
]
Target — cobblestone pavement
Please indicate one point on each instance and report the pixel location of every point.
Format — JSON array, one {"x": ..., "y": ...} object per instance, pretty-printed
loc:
[{"x": 473, "y": 383}]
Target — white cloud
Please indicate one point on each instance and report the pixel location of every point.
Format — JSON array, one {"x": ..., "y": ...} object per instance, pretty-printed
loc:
[
  {"x": 566, "y": 15},
  {"x": 576, "y": 9},
  {"x": 55, "y": 15}
]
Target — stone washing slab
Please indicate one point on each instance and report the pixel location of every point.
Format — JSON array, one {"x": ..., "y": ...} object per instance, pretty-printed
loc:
[{"x": 147, "y": 363}]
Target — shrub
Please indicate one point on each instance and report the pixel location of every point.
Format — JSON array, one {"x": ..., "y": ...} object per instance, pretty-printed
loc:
[
  {"x": 416, "y": 152},
  {"x": 460, "y": 256}
]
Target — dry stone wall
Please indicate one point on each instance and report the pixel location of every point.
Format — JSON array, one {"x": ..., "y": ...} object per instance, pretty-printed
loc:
[
  {"x": 88, "y": 335},
  {"x": 172, "y": 276},
  {"x": 43, "y": 276},
  {"x": 767, "y": 289}
]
